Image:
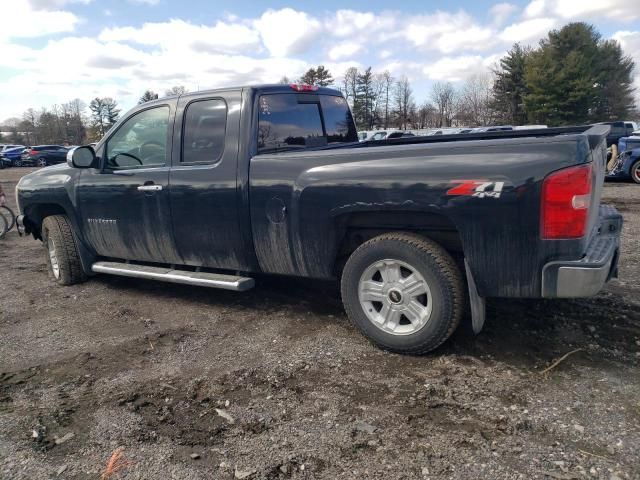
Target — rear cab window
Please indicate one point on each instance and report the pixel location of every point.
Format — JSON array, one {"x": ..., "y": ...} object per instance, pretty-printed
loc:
[{"x": 289, "y": 121}]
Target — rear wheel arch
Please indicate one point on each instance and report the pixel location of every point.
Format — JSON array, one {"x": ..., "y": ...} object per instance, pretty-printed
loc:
[{"x": 354, "y": 229}]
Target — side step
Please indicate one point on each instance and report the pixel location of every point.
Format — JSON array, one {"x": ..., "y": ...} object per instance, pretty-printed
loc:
[{"x": 201, "y": 279}]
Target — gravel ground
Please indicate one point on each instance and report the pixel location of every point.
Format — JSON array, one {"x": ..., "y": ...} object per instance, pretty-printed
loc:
[{"x": 194, "y": 383}]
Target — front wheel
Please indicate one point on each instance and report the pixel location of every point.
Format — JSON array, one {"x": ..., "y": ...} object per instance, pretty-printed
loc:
[
  {"x": 404, "y": 292},
  {"x": 63, "y": 257},
  {"x": 635, "y": 171},
  {"x": 42, "y": 162},
  {"x": 18, "y": 163}
]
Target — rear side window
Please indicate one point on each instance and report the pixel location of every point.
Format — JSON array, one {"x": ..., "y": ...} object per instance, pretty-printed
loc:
[
  {"x": 337, "y": 120},
  {"x": 205, "y": 124},
  {"x": 290, "y": 121}
]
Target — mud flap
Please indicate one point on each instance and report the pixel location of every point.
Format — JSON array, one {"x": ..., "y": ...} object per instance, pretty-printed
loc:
[{"x": 478, "y": 306}]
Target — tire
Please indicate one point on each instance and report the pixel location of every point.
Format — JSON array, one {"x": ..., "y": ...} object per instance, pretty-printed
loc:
[
  {"x": 409, "y": 274},
  {"x": 4, "y": 226},
  {"x": 63, "y": 258},
  {"x": 9, "y": 216},
  {"x": 42, "y": 162},
  {"x": 17, "y": 162},
  {"x": 634, "y": 171}
]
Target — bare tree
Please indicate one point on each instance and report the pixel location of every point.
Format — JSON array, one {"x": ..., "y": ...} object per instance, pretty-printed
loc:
[
  {"x": 350, "y": 84},
  {"x": 403, "y": 102},
  {"x": 386, "y": 86},
  {"x": 474, "y": 106},
  {"x": 176, "y": 90},
  {"x": 443, "y": 96}
]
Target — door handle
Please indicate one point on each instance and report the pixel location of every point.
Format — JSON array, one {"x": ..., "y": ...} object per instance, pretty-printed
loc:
[{"x": 149, "y": 188}]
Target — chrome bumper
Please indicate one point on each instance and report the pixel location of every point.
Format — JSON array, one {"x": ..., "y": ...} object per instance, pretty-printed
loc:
[{"x": 587, "y": 276}]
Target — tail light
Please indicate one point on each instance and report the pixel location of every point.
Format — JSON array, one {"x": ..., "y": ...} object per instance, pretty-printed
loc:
[
  {"x": 301, "y": 87},
  {"x": 566, "y": 198}
]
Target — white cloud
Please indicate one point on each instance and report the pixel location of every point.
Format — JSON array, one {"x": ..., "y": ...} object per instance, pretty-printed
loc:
[
  {"x": 621, "y": 10},
  {"x": 54, "y": 4},
  {"x": 344, "y": 50},
  {"x": 455, "y": 69},
  {"x": 348, "y": 23},
  {"x": 447, "y": 32},
  {"x": 222, "y": 37},
  {"x": 528, "y": 30},
  {"x": 146, "y": 2},
  {"x": 23, "y": 20},
  {"x": 287, "y": 31},
  {"x": 501, "y": 12}
]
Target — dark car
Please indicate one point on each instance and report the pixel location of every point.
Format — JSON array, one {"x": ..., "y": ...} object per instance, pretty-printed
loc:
[
  {"x": 11, "y": 157},
  {"x": 43, "y": 155},
  {"x": 215, "y": 187},
  {"x": 618, "y": 130},
  {"x": 627, "y": 165}
]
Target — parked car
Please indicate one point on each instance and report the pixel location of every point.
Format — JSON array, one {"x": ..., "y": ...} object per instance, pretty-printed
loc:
[
  {"x": 12, "y": 157},
  {"x": 214, "y": 187},
  {"x": 43, "y": 155},
  {"x": 627, "y": 164},
  {"x": 618, "y": 130},
  {"x": 4, "y": 148},
  {"x": 400, "y": 134}
]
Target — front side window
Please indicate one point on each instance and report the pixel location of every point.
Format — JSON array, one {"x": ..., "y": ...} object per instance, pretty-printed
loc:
[
  {"x": 204, "y": 130},
  {"x": 141, "y": 141}
]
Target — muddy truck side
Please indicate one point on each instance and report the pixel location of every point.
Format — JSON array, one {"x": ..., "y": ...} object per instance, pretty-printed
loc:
[{"x": 213, "y": 188}]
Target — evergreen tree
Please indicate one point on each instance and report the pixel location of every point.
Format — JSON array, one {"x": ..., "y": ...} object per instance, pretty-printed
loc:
[
  {"x": 614, "y": 90},
  {"x": 575, "y": 77},
  {"x": 147, "y": 96},
  {"x": 363, "y": 108},
  {"x": 510, "y": 87},
  {"x": 319, "y": 76}
]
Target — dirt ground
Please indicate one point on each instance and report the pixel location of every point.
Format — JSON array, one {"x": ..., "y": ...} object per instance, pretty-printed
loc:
[{"x": 194, "y": 383}]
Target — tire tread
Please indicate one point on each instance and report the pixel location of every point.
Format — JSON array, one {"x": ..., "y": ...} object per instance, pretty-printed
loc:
[
  {"x": 448, "y": 269},
  {"x": 59, "y": 227}
]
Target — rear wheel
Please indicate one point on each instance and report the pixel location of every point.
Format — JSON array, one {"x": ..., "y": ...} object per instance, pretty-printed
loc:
[
  {"x": 42, "y": 162},
  {"x": 18, "y": 162},
  {"x": 404, "y": 292},
  {"x": 63, "y": 258},
  {"x": 635, "y": 172}
]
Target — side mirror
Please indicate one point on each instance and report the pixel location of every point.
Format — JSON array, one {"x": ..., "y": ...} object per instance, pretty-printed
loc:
[{"x": 81, "y": 157}]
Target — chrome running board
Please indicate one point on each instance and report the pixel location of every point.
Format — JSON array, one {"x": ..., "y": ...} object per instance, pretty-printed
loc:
[{"x": 165, "y": 274}]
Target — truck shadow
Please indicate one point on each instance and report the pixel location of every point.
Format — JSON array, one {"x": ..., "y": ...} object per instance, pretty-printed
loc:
[{"x": 522, "y": 333}]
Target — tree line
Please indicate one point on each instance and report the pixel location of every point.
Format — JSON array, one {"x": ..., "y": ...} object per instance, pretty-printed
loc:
[
  {"x": 72, "y": 123},
  {"x": 573, "y": 76}
]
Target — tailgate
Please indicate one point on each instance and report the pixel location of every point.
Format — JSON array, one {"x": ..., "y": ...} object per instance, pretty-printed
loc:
[{"x": 597, "y": 145}]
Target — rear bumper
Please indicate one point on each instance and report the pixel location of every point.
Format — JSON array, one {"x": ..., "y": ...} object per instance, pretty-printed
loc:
[{"x": 587, "y": 276}]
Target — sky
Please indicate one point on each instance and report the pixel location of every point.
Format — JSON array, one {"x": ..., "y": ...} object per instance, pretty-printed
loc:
[{"x": 52, "y": 51}]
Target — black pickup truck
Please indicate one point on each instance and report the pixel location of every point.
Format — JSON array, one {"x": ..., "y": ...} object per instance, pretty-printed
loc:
[{"x": 212, "y": 188}]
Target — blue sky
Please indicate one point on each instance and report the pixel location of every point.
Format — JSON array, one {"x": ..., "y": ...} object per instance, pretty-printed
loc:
[{"x": 56, "y": 50}]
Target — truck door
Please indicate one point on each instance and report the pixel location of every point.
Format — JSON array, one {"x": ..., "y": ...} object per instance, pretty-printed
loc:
[
  {"x": 124, "y": 206},
  {"x": 205, "y": 195}
]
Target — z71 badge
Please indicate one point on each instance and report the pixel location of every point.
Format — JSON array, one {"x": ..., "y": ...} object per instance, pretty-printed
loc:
[{"x": 476, "y": 188}]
